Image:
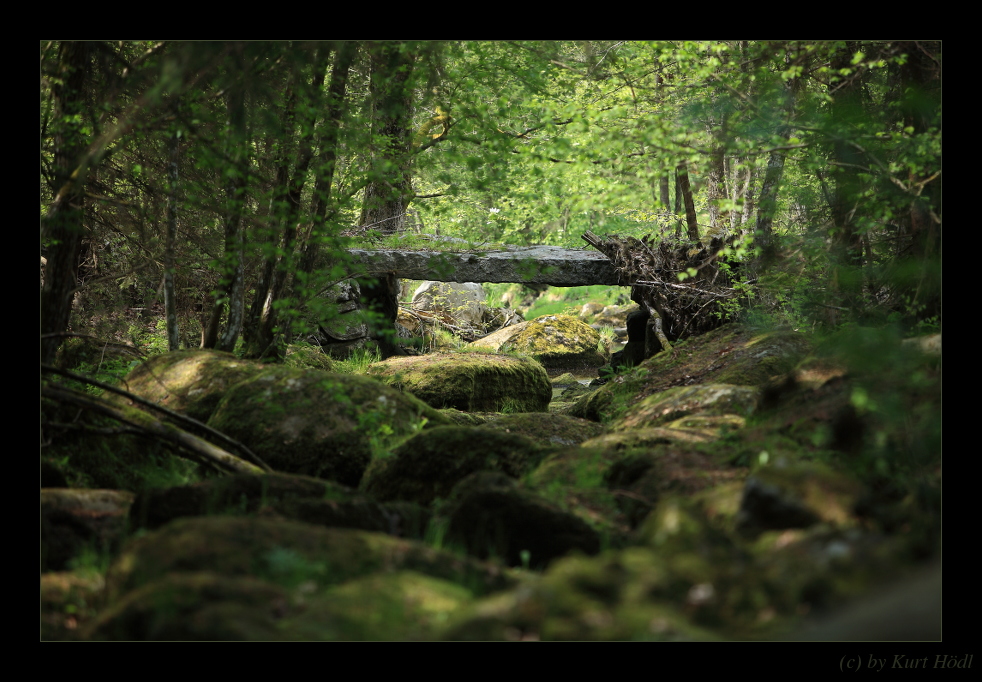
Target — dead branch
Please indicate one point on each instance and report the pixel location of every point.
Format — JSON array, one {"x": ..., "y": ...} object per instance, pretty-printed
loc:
[
  {"x": 198, "y": 449},
  {"x": 653, "y": 267},
  {"x": 177, "y": 417}
]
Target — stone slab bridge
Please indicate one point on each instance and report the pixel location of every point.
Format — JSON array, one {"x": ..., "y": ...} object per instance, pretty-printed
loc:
[{"x": 524, "y": 264}]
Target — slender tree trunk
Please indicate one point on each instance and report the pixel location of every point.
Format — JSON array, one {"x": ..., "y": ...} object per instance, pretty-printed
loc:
[
  {"x": 327, "y": 163},
  {"x": 388, "y": 195},
  {"x": 716, "y": 177},
  {"x": 847, "y": 249},
  {"x": 690, "y": 208},
  {"x": 63, "y": 227},
  {"x": 920, "y": 229},
  {"x": 747, "y": 194},
  {"x": 678, "y": 203},
  {"x": 771, "y": 184},
  {"x": 231, "y": 290},
  {"x": 170, "y": 304},
  {"x": 292, "y": 198},
  {"x": 663, "y": 190}
]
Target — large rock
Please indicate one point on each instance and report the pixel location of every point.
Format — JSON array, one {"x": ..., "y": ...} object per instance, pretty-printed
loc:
[
  {"x": 464, "y": 302},
  {"x": 429, "y": 465},
  {"x": 283, "y": 552},
  {"x": 675, "y": 403},
  {"x": 490, "y": 516},
  {"x": 189, "y": 381},
  {"x": 319, "y": 424},
  {"x": 299, "y": 498},
  {"x": 557, "y": 341},
  {"x": 75, "y": 520},
  {"x": 476, "y": 382}
]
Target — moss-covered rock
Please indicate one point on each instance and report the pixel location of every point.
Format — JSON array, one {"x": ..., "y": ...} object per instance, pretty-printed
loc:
[
  {"x": 643, "y": 476},
  {"x": 298, "y": 498},
  {"x": 549, "y": 430},
  {"x": 732, "y": 354},
  {"x": 319, "y": 424},
  {"x": 559, "y": 342},
  {"x": 603, "y": 598},
  {"x": 472, "y": 382},
  {"x": 797, "y": 495},
  {"x": 429, "y": 465},
  {"x": 285, "y": 553},
  {"x": 304, "y": 356},
  {"x": 682, "y": 401},
  {"x": 189, "y": 381},
  {"x": 196, "y": 606},
  {"x": 573, "y": 479},
  {"x": 203, "y": 606},
  {"x": 74, "y": 521},
  {"x": 490, "y": 516},
  {"x": 69, "y": 601}
]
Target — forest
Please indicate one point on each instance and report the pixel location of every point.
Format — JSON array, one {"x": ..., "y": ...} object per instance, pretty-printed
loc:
[
  {"x": 204, "y": 195},
  {"x": 225, "y": 180}
]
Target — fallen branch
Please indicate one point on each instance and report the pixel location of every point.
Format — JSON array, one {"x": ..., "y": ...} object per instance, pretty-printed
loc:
[
  {"x": 199, "y": 449},
  {"x": 170, "y": 414}
]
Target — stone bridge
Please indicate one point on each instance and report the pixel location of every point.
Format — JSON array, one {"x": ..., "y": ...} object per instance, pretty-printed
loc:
[{"x": 525, "y": 264}]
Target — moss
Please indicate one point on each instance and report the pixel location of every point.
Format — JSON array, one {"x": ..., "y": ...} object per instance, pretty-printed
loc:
[
  {"x": 192, "y": 381},
  {"x": 549, "y": 430},
  {"x": 286, "y": 553},
  {"x": 682, "y": 401},
  {"x": 472, "y": 382},
  {"x": 560, "y": 342},
  {"x": 304, "y": 356},
  {"x": 429, "y": 465},
  {"x": 320, "y": 424}
]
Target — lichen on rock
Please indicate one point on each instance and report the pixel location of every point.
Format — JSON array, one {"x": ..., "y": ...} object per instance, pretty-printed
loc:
[{"x": 471, "y": 382}]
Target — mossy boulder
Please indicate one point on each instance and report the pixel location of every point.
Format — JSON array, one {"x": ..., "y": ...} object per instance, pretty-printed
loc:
[
  {"x": 557, "y": 341},
  {"x": 549, "y": 430},
  {"x": 643, "y": 476},
  {"x": 75, "y": 520},
  {"x": 198, "y": 606},
  {"x": 300, "y": 498},
  {"x": 430, "y": 464},
  {"x": 682, "y": 401},
  {"x": 189, "y": 381},
  {"x": 490, "y": 516},
  {"x": 472, "y": 382},
  {"x": 285, "y": 553},
  {"x": 581, "y": 598},
  {"x": 732, "y": 354},
  {"x": 69, "y": 601},
  {"x": 304, "y": 356},
  {"x": 573, "y": 479},
  {"x": 393, "y": 606},
  {"x": 797, "y": 495},
  {"x": 317, "y": 423}
]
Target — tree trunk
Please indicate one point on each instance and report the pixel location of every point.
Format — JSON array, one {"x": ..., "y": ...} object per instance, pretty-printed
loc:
[
  {"x": 388, "y": 194},
  {"x": 767, "y": 197},
  {"x": 847, "y": 247},
  {"x": 690, "y": 207},
  {"x": 327, "y": 163},
  {"x": 716, "y": 185},
  {"x": 920, "y": 229},
  {"x": 63, "y": 227},
  {"x": 663, "y": 191},
  {"x": 170, "y": 304},
  {"x": 231, "y": 288},
  {"x": 285, "y": 206}
]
